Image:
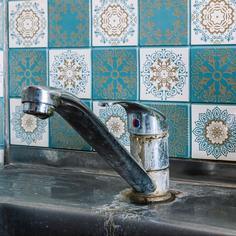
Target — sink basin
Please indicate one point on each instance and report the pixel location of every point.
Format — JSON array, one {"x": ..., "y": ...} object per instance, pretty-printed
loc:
[{"x": 47, "y": 201}]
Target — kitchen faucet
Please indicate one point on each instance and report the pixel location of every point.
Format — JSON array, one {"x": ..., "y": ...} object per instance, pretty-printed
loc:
[{"x": 145, "y": 169}]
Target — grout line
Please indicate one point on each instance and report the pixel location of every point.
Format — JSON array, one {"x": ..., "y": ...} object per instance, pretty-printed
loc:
[{"x": 93, "y": 48}]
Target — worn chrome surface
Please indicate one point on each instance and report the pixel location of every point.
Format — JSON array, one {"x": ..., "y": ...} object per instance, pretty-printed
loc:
[
  {"x": 42, "y": 200},
  {"x": 149, "y": 145},
  {"x": 151, "y": 151},
  {"x": 149, "y": 120},
  {"x": 153, "y": 154},
  {"x": 43, "y": 101}
]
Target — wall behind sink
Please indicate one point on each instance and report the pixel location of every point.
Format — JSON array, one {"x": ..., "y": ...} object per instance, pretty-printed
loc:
[
  {"x": 1, "y": 81},
  {"x": 178, "y": 56}
]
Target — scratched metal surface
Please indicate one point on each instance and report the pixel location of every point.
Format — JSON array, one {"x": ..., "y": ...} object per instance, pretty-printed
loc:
[
  {"x": 196, "y": 170},
  {"x": 202, "y": 208}
]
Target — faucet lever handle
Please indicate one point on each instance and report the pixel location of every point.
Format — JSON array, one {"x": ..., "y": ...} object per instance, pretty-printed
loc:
[{"x": 144, "y": 120}]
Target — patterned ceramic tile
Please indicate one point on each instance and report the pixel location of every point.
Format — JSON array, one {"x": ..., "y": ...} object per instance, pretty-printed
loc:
[
  {"x": 62, "y": 135},
  {"x": 115, "y": 22},
  {"x": 1, "y": 121},
  {"x": 69, "y": 23},
  {"x": 26, "y": 129},
  {"x": 213, "y": 22},
  {"x": 115, "y": 74},
  {"x": 214, "y": 132},
  {"x": 26, "y": 67},
  {"x": 1, "y": 74},
  {"x": 164, "y": 22},
  {"x": 161, "y": 77},
  {"x": 164, "y": 74},
  {"x": 115, "y": 118},
  {"x": 28, "y": 24},
  {"x": 71, "y": 70},
  {"x": 1, "y": 24},
  {"x": 178, "y": 117},
  {"x": 213, "y": 75}
]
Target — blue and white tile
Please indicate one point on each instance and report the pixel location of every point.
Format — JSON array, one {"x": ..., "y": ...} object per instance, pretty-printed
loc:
[
  {"x": 26, "y": 67},
  {"x": 115, "y": 74},
  {"x": 1, "y": 74},
  {"x": 71, "y": 70},
  {"x": 115, "y": 119},
  {"x": 69, "y": 23},
  {"x": 214, "y": 132},
  {"x": 164, "y": 74},
  {"x": 178, "y": 119},
  {"x": 213, "y": 74},
  {"x": 164, "y": 22},
  {"x": 28, "y": 24},
  {"x": 213, "y": 22},
  {"x": 115, "y": 22},
  {"x": 26, "y": 129}
]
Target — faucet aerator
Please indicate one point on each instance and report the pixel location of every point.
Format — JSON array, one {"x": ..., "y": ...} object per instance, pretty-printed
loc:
[{"x": 42, "y": 111}]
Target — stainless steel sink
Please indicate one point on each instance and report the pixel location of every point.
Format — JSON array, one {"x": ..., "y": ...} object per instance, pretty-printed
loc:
[{"x": 39, "y": 200}]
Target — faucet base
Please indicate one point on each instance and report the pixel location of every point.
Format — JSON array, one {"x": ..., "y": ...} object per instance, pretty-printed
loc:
[{"x": 141, "y": 198}]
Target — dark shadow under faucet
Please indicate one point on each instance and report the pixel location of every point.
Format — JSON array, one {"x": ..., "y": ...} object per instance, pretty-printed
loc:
[{"x": 43, "y": 101}]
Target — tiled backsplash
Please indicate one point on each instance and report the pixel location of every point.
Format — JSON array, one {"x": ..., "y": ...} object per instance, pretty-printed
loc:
[{"x": 178, "y": 56}]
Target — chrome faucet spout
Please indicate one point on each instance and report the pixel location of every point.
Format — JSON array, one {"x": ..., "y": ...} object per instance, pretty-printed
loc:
[{"x": 44, "y": 101}]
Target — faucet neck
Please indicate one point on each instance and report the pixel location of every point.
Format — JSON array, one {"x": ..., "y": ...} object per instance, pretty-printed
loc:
[{"x": 94, "y": 132}]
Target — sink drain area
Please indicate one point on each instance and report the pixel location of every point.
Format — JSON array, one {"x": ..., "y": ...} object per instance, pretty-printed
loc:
[{"x": 140, "y": 198}]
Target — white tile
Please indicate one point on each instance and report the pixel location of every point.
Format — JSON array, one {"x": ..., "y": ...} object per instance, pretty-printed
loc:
[
  {"x": 213, "y": 22},
  {"x": 71, "y": 70},
  {"x": 214, "y": 132},
  {"x": 164, "y": 74},
  {"x": 26, "y": 129},
  {"x": 28, "y": 24},
  {"x": 115, "y": 23},
  {"x": 115, "y": 118},
  {"x": 1, "y": 74}
]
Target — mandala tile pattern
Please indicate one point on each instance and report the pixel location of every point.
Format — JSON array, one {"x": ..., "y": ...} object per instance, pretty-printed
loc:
[
  {"x": 213, "y": 22},
  {"x": 115, "y": 22},
  {"x": 62, "y": 135},
  {"x": 115, "y": 118},
  {"x": 69, "y": 23},
  {"x": 1, "y": 73},
  {"x": 178, "y": 118},
  {"x": 26, "y": 67},
  {"x": 173, "y": 30},
  {"x": 71, "y": 70},
  {"x": 214, "y": 132},
  {"x": 164, "y": 74},
  {"x": 213, "y": 75},
  {"x": 164, "y": 71},
  {"x": 28, "y": 24},
  {"x": 1, "y": 122},
  {"x": 27, "y": 129},
  {"x": 115, "y": 74}
]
